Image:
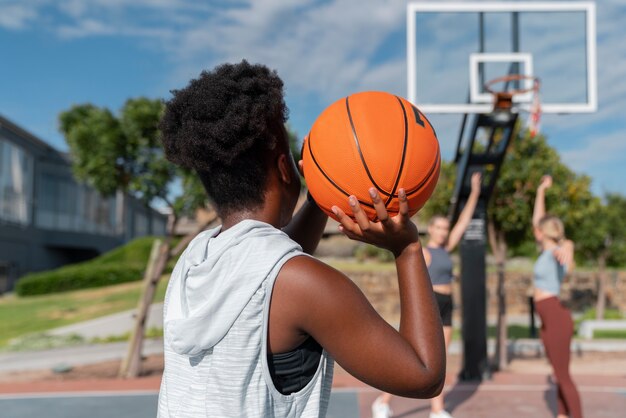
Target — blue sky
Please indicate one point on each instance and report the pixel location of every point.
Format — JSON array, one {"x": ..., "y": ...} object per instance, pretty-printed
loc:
[{"x": 54, "y": 54}]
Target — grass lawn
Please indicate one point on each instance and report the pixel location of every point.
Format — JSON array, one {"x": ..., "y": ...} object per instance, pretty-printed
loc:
[
  {"x": 19, "y": 316},
  {"x": 610, "y": 333}
]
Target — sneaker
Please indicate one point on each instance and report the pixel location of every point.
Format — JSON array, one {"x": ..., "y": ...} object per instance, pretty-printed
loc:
[
  {"x": 440, "y": 414},
  {"x": 381, "y": 409}
]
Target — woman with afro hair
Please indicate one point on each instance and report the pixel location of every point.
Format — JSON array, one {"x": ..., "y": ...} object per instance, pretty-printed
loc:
[{"x": 252, "y": 321}]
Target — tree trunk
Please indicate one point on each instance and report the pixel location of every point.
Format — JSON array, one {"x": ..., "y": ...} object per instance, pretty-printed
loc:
[
  {"x": 131, "y": 366},
  {"x": 601, "y": 303},
  {"x": 120, "y": 213},
  {"x": 497, "y": 241}
]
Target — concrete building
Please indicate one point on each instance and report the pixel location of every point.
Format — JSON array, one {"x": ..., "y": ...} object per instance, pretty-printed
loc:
[{"x": 47, "y": 219}]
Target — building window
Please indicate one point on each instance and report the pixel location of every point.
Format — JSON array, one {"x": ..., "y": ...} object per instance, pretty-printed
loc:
[
  {"x": 16, "y": 183},
  {"x": 141, "y": 224},
  {"x": 68, "y": 206}
]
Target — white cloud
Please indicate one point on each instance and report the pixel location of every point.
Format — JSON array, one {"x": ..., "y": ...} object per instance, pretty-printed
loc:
[
  {"x": 15, "y": 16},
  {"x": 325, "y": 49},
  {"x": 596, "y": 152},
  {"x": 328, "y": 49}
]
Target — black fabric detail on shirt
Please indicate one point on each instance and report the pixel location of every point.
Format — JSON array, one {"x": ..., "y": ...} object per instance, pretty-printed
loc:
[{"x": 293, "y": 370}]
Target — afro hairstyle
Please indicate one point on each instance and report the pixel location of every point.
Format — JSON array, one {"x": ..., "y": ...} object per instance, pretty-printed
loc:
[{"x": 223, "y": 125}]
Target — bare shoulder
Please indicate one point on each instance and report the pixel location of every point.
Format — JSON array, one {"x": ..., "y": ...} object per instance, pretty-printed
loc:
[
  {"x": 316, "y": 294},
  {"x": 306, "y": 277},
  {"x": 300, "y": 281}
]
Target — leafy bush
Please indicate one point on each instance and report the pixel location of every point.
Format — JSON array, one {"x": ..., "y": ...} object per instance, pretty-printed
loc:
[
  {"x": 77, "y": 276},
  {"x": 122, "y": 264},
  {"x": 134, "y": 252}
]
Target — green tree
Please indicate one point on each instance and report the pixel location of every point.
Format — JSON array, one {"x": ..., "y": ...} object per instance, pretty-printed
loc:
[
  {"x": 616, "y": 217},
  {"x": 439, "y": 202},
  {"x": 122, "y": 154},
  {"x": 510, "y": 210},
  {"x": 602, "y": 238},
  {"x": 294, "y": 143}
]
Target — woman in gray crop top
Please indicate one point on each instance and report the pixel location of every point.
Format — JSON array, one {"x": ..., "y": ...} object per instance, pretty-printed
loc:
[
  {"x": 557, "y": 328},
  {"x": 441, "y": 241}
]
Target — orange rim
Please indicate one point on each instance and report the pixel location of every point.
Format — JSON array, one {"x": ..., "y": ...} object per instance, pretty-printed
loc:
[{"x": 512, "y": 77}]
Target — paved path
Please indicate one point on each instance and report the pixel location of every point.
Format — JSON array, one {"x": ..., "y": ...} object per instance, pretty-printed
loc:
[
  {"x": 95, "y": 353},
  {"x": 73, "y": 356},
  {"x": 111, "y": 325}
]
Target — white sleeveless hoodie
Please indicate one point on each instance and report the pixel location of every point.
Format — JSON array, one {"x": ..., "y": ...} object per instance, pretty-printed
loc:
[{"x": 215, "y": 337}]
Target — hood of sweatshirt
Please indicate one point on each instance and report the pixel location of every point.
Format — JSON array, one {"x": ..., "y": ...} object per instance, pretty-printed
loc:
[{"x": 214, "y": 280}]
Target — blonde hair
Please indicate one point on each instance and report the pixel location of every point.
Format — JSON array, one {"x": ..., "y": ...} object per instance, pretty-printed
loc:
[
  {"x": 435, "y": 218},
  {"x": 552, "y": 227}
]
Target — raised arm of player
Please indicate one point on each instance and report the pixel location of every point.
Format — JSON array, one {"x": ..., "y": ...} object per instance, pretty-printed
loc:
[
  {"x": 318, "y": 300},
  {"x": 466, "y": 214},
  {"x": 539, "y": 211}
]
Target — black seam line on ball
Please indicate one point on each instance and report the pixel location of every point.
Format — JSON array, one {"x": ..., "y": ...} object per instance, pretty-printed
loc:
[
  {"x": 430, "y": 173},
  {"x": 421, "y": 184},
  {"x": 328, "y": 178},
  {"x": 404, "y": 146},
  {"x": 358, "y": 147}
]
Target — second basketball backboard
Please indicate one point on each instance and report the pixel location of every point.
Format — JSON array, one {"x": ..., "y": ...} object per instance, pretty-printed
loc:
[{"x": 454, "y": 48}]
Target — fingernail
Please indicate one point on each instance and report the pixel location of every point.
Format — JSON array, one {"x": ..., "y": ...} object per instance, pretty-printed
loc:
[
  {"x": 352, "y": 200},
  {"x": 335, "y": 211},
  {"x": 401, "y": 193},
  {"x": 372, "y": 192}
]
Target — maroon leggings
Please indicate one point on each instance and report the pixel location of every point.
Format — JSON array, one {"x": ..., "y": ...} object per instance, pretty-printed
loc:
[{"x": 556, "y": 333}]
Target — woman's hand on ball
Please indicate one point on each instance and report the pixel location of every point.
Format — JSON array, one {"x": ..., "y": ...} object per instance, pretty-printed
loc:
[{"x": 393, "y": 233}]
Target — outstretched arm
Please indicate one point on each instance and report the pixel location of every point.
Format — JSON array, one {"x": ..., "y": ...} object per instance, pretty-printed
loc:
[
  {"x": 466, "y": 214},
  {"x": 540, "y": 200}
]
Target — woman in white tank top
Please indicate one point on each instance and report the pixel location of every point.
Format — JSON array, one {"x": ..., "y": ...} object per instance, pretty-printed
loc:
[{"x": 247, "y": 291}]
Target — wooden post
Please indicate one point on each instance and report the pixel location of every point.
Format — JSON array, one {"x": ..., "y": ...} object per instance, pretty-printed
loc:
[
  {"x": 132, "y": 360},
  {"x": 159, "y": 257},
  {"x": 601, "y": 303},
  {"x": 497, "y": 241}
]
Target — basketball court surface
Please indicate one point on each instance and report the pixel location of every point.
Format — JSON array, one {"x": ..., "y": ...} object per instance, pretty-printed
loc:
[{"x": 510, "y": 394}]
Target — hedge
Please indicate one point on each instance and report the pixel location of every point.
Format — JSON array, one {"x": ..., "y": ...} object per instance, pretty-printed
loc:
[
  {"x": 125, "y": 263},
  {"x": 78, "y": 276}
]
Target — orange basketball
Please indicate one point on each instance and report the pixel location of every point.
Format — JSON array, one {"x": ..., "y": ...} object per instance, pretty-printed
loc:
[{"x": 371, "y": 139}]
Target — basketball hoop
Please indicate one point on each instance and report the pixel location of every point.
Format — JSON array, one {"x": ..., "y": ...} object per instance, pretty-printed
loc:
[{"x": 503, "y": 100}]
